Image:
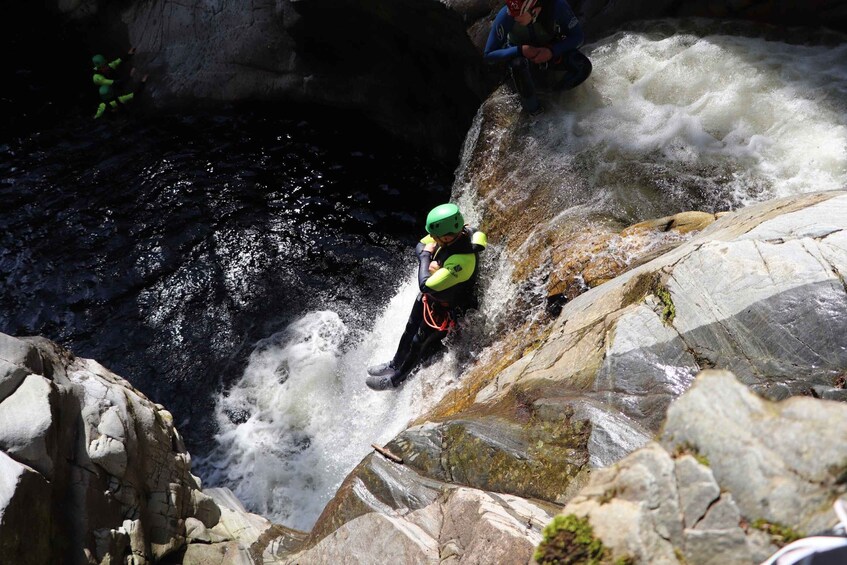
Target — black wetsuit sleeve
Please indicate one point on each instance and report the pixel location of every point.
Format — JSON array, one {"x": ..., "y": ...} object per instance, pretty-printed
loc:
[{"x": 424, "y": 259}]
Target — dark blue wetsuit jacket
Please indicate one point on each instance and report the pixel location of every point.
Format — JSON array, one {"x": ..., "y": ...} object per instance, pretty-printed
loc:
[{"x": 556, "y": 28}]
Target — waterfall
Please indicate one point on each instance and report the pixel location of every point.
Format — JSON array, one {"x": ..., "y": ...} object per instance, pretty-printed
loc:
[
  {"x": 301, "y": 417},
  {"x": 667, "y": 122}
]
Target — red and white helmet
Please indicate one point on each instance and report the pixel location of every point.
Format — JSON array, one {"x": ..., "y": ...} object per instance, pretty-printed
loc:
[{"x": 518, "y": 7}]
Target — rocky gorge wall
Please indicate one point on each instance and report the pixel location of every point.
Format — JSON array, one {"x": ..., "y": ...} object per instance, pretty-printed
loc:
[
  {"x": 605, "y": 410},
  {"x": 91, "y": 471},
  {"x": 722, "y": 334},
  {"x": 413, "y": 67}
]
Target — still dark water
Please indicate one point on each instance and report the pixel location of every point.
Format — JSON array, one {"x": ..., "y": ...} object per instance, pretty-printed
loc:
[{"x": 166, "y": 246}]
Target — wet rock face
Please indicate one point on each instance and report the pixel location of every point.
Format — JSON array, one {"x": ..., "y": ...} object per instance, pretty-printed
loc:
[
  {"x": 413, "y": 67},
  {"x": 537, "y": 457}
]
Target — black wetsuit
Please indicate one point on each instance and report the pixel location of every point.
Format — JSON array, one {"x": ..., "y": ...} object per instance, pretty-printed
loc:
[{"x": 450, "y": 291}]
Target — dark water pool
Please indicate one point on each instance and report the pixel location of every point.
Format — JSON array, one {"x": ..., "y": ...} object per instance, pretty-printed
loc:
[{"x": 166, "y": 246}]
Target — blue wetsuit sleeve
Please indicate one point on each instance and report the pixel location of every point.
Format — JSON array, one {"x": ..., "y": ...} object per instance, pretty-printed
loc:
[
  {"x": 497, "y": 47},
  {"x": 570, "y": 27}
]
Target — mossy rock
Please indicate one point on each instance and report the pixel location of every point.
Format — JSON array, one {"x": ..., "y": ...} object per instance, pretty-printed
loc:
[{"x": 568, "y": 540}]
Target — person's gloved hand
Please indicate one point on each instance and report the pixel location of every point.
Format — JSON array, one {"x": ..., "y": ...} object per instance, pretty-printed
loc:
[
  {"x": 543, "y": 54},
  {"x": 529, "y": 51}
]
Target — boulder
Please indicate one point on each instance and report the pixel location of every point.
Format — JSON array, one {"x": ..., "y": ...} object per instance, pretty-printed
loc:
[
  {"x": 449, "y": 525},
  {"x": 17, "y": 360},
  {"x": 92, "y": 470},
  {"x": 731, "y": 475},
  {"x": 27, "y": 522},
  {"x": 27, "y": 424}
]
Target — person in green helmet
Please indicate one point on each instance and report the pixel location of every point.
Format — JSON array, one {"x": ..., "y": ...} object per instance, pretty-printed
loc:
[
  {"x": 448, "y": 260},
  {"x": 109, "y": 86}
]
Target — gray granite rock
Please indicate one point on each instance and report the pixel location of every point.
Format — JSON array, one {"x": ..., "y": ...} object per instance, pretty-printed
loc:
[
  {"x": 78, "y": 441},
  {"x": 781, "y": 462},
  {"x": 737, "y": 459}
]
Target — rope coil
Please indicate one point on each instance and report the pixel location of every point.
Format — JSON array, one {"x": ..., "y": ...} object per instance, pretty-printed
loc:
[{"x": 441, "y": 322}]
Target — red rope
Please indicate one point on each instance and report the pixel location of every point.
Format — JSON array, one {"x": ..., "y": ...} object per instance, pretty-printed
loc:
[{"x": 430, "y": 317}]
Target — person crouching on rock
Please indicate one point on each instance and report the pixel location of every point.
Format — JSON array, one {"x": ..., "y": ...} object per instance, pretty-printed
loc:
[
  {"x": 539, "y": 40},
  {"x": 448, "y": 260}
]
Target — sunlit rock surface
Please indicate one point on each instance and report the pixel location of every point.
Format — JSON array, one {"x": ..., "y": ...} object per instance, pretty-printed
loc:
[
  {"x": 91, "y": 471},
  {"x": 728, "y": 466},
  {"x": 391, "y": 513},
  {"x": 759, "y": 291}
]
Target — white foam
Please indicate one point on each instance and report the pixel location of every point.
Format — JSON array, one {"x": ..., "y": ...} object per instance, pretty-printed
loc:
[
  {"x": 746, "y": 118},
  {"x": 301, "y": 417}
]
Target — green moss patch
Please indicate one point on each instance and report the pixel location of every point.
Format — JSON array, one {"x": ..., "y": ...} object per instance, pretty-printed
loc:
[
  {"x": 668, "y": 308},
  {"x": 535, "y": 460},
  {"x": 690, "y": 449},
  {"x": 569, "y": 539},
  {"x": 780, "y": 534}
]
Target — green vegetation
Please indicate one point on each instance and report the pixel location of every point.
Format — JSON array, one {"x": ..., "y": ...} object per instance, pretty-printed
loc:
[
  {"x": 780, "y": 534},
  {"x": 570, "y": 540},
  {"x": 690, "y": 449},
  {"x": 668, "y": 309}
]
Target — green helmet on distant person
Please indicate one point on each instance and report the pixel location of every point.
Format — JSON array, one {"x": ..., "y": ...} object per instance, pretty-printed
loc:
[
  {"x": 98, "y": 61},
  {"x": 444, "y": 219}
]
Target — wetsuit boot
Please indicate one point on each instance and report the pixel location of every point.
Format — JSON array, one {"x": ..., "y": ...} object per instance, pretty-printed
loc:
[
  {"x": 423, "y": 342},
  {"x": 382, "y": 369},
  {"x": 387, "y": 375}
]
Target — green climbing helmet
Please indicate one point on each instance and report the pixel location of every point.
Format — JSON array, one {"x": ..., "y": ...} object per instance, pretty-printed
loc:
[
  {"x": 444, "y": 219},
  {"x": 98, "y": 61},
  {"x": 106, "y": 92}
]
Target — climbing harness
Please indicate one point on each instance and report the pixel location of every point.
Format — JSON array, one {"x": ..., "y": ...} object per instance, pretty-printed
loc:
[{"x": 442, "y": 321}]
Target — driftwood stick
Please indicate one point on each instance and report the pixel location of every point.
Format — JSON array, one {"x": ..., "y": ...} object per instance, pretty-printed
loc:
[{"x": 387, "y": 454}]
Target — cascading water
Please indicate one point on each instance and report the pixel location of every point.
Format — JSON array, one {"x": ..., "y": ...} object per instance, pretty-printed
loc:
[
  {"x": 671, "y": 120},
  {"x": 301, "y": 415}
]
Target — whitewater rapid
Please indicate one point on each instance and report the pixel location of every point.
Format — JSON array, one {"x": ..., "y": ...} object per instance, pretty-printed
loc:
[{"x": 704, "y": 120}]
